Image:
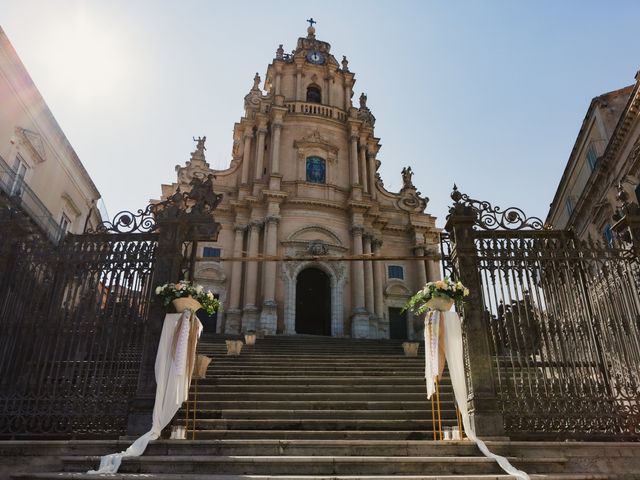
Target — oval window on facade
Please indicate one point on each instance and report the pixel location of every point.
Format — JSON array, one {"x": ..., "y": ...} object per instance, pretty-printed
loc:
[{"x": 316, "y": 172}]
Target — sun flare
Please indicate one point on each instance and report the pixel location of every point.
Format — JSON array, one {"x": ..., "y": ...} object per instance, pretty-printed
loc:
[{"x": 87, "y": 59}]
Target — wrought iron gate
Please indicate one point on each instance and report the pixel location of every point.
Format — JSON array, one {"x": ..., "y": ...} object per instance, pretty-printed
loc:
[
  {"x": 70, "y": 338},
  {"x": 563, "y": 319}
]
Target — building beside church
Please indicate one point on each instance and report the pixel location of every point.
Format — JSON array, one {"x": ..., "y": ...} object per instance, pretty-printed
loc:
[
  {"x": 303, "y": 184},
  {"x": 41, "y": 177},
  {"x": 604, "y": 161}
]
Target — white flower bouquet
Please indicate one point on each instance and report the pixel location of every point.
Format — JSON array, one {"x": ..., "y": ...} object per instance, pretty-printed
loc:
[
  {"x": 172, "y": 291},
  {"x": 439, "y": 295}
]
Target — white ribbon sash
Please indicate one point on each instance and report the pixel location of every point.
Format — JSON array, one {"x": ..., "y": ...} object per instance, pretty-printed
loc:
[
  {"x": 449, "y": 323},
  {"x": 172, "y": 382}
]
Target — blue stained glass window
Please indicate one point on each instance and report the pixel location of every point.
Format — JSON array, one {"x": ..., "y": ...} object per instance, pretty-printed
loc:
[
  {"x": 316, "y": 170},
  {"x": 396, "y": 271},
  {"x": 211, "y": 252}
]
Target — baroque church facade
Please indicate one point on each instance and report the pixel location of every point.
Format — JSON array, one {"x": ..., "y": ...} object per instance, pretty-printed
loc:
[{"x": 306, "y": 213}]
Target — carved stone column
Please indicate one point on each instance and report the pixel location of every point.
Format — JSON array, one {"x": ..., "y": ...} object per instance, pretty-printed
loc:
[
  {"x": 246, "y": 157},
  {"x": 371, "y": 170},
  {"x": 421, "y": 278},
  {"x": 421, "y": 273},
  {"x": 262, "y": 132},
  {"x": 433, "y": 266},
  {"x": 363, "y": 166},
  {"x": 369, "y": 292},
  {"x": 299, "y": 96},
  {"x": 359, "y": 316},
  {"x": 275, "y": 147},
  {"x": 353, "y": 163},
  {"x": 378, "y": 290},
  {"x": 232, "y": 324},
  {"x": 269, "y": 316},
  {"x": 250, "y": 310}
]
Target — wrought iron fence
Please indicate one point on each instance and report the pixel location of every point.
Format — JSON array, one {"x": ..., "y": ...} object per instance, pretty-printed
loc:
[
  {"x": 564, "y": 319},
  {"x": 72, "y": 318}
]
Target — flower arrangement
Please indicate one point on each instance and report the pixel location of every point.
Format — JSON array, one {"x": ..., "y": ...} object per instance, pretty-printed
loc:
[
  {"x": 171, "y": 291},
  {"x": 445, "y": 289}
]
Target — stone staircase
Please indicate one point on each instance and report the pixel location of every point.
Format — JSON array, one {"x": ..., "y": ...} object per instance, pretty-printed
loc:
[{"x": 308, "y": 407}]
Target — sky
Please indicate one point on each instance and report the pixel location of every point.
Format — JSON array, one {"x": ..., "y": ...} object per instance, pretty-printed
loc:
[{"x": 487, "y": 94}]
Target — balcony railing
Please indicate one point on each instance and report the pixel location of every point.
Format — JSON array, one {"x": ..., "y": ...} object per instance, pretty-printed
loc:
[
  {"x": 21, "y": 195},
  {"x": 316, "y": 110}
]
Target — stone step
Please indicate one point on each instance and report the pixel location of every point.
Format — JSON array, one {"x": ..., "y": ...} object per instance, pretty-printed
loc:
[
  {"x": 277, "y": 414},
  {"x": 169, "y": 476},
  {"x": 314, "y": 388},
  {"x": 447, "y": 404},
  {"x": 304, "y": 370},
  {"x": 316, "y": 396},
  {"x": 314, "y": 465},
  {"x": 330, "y": 424},
  {"x": 297, "y": 434},
  {"x": 312, "y": 380}
]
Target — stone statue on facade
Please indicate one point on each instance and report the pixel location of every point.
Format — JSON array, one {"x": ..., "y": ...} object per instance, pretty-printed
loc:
[
  {"x": 345, "y": 63},
  {"x": 200, "y": 143},
  {"x": 256, "y": 82},
  {"x": 363, "y": 100},
  {"x": 407, "y": 174},
  {"x": 202, "y": 194}
]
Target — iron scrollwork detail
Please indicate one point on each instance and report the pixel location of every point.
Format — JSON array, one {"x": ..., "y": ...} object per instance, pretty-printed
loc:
[
  {"x": 489, "y": 217},
  {"x": 200, "y": 201}
]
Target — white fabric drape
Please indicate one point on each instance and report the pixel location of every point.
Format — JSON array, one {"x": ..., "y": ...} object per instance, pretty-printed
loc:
[
  {"x": 453, "y": 350},
  {"x": 172, "y": 383}
]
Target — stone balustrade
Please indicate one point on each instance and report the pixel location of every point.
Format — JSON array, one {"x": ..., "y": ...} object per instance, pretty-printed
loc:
[{"x": 316, "y": 110}]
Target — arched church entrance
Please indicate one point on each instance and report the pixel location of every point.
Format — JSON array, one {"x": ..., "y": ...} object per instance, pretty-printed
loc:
[{"x": 313, "y": 302}]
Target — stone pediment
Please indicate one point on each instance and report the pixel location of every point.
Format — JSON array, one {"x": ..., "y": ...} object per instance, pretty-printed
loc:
[
  {"x": 315, "y": 139},
  {"x": 315, "y": 234},
  {"x": 33, "y": 142}
]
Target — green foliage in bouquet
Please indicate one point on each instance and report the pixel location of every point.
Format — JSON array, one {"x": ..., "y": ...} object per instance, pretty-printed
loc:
[
  {"x": 446, "y": 288},
  {"x": 170, "y": 291}
]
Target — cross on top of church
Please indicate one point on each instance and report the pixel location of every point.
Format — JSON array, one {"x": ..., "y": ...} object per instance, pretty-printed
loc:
[{"x": 311, "y": 21}]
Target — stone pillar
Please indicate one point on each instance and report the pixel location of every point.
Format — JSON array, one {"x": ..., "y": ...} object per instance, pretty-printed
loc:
[
  {"x": 233, "y": 312},
  {"x": 278, "y": 80},
  {"x": 299, "y": 96},
  {"x": 378, "y": 290},
  {"x": 421, "y": 278},
  {"x": 327, "y": 89},
  {"x": 250, "y": 310},
  {"x": 369, "y": 292},
  {"x": 275, "y": 147},
  {"x": 363, "y": 167},
  {"x": 347, "y": 97},
  {"x": 268, "y": 316},
  {"x": 246, "y": 157},
  {"x": 354, "y": 177},
  {"x": 371, "y": 170},
  {"x": 484, "y": 408},
  {"x": 433, "y": 267},
  {"x": 421, "y": 273},
  {"x": 260, "y": 152},
  {"x": 359, "y": 317}
]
